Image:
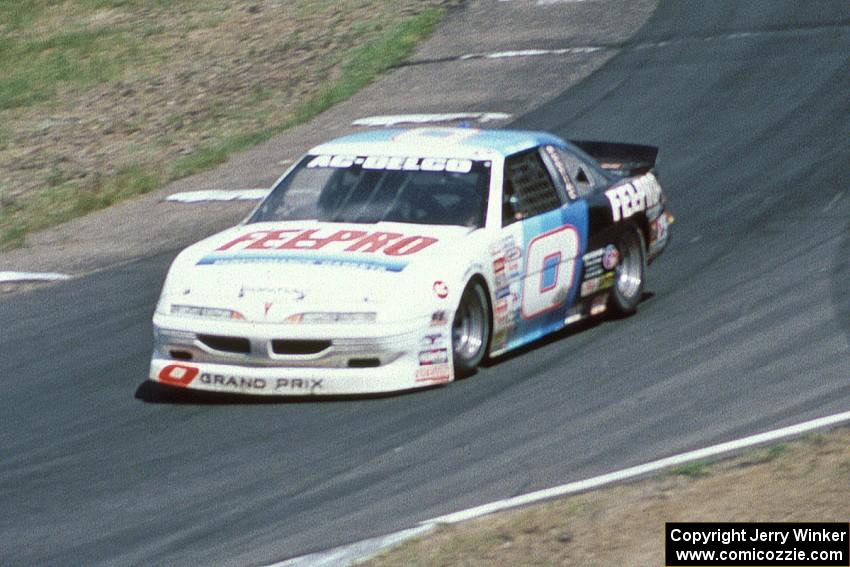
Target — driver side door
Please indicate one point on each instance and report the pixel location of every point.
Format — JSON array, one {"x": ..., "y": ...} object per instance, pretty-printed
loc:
[{"x": 536, "y": 260}]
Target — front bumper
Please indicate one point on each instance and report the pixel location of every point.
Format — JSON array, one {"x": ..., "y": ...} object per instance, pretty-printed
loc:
[{"x": 338, "y": 359}]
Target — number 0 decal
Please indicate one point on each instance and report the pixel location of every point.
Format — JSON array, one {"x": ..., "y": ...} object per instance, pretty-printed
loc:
[{"x": 550, "y": 267}]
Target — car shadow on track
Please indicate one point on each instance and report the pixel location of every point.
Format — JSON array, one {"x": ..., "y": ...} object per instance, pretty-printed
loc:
[
  {"x": 564, "y": 333},
  {"x": 156, "y": 393}
]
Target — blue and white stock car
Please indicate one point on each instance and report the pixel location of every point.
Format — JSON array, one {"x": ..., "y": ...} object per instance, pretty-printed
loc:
[{"x": 396, "y": 259}]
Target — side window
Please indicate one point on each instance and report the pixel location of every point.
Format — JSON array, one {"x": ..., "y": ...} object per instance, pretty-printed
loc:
[
  {"x": 528, "y": 189},
  {"x": 558, "y": 169},
  {"x": 583, "y": 175}
]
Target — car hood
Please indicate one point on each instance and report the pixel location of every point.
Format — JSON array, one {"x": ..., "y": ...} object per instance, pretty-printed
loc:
[{"x": 268, "y": 271}]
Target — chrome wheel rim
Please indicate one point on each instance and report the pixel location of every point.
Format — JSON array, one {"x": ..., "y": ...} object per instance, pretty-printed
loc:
[
  {"x": 628, "y": 273},
  {"x": 468, "y": 329}
]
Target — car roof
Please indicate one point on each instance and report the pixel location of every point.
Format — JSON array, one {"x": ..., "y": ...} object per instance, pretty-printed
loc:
[{"x": 469, "y": 143}]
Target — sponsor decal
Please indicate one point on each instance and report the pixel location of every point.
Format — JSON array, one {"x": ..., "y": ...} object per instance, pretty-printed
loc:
[
  {"x": 375, "y": 264},
  {"x": 599, "y": 305},
  {"x": 633, "y": 197},
  {"x": 182, "y": 375},
  {"x": 388, "y": 243},
  {"x": 178, "y": 374},
  {"x": 434, "y": 356},
  {"x": 321, "y": 246},
  {"x": 658, "y": 230},
  {"x": 501, "y": 247},
  {"x": 439, "y": 318},
  {"x": 611, "y": 257},
  {"x": 288, "y": 293},
  {"x": 299, "y": 384},
  {"x": 236, "y": 382},
  {"x": 499, "y": 265},
  {"x": 562, "y": 172},
  {"x": 506, "y": 305},
  {"x": 658, "y": 234},
  {"x": 514, "y": 269},
  {"x": 591, "y": 286},
  {"x": 593, "y": 263},
  {"x": 435, "y": 373},
  {"x": 507, "y": 257},
  {"x": 392, "y": 163},
  {"x": 441, "y": 290},
  {"x": 433, "y": 340}
]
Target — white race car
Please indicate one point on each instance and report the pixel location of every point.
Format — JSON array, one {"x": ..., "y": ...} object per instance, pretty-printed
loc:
[{"x": 396, "y": 259}]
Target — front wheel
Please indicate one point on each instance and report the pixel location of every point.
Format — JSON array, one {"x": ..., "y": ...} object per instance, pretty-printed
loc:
[
  {"x": 470, "y": 330},
  {"x": 629, "y": 276}
]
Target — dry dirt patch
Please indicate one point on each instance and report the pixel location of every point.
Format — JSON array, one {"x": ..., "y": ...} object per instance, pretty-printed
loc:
[
  {"x": 806, "y": 480},
  {"x": 105, "y": 99}
]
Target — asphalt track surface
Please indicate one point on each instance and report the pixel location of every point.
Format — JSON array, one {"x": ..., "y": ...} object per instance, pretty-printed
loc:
[{"x": 747, "y": 328}]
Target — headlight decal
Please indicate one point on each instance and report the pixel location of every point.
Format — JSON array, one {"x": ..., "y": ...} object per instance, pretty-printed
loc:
[{"x": 206, "y": 312}]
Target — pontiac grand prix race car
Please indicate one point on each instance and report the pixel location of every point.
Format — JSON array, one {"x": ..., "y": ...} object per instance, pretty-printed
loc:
[{"x": 395, "y": 259}]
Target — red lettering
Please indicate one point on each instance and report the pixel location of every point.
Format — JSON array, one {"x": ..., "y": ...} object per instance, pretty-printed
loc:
[
  {"x": 311, "y": 243},
  {"x": 178, "y": 375},
  {"x": 272, "y": 239},
  {"x": 361, "y": 241},
  {"x": 248, "y": 236},
  {"x": 375, "y": 242},
  {"x": 409, "y": 245},
  {"x": 304, "y": 237}
]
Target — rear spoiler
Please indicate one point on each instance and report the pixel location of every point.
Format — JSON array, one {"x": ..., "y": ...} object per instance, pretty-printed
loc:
[{"x": 625, "y": 160}]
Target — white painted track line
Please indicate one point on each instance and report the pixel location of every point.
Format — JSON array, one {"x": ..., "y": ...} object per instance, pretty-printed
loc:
[
  {"x": 9, "y": 277},
  {"x": 350, "y": 554},
  {"x": 218, "y": 195}
]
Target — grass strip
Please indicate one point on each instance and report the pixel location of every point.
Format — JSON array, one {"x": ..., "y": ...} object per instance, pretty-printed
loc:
[{"x": 68, "y": 199}]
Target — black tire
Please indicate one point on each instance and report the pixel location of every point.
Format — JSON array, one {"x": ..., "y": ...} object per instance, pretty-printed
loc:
[
  {"x": 630, "y": 273},
  {"x": 470, "y": 330}
]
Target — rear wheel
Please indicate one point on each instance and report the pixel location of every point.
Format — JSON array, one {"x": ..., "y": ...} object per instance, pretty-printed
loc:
[
  {"x": 629, "y": 275},
  {"x": 470, "y": 329}
]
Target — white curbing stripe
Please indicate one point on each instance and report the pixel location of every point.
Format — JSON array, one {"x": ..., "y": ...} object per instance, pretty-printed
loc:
[
  {"x": 350, "y": 554},
  {"x": 9, "y": 277},
  {"x": 218, "y": 195},
  {"x": 356, "y": 552},
  {"x": 530, "y": 53}
]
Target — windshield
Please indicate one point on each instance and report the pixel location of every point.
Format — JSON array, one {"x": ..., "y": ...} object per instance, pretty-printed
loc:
[{"x": 370, "y": 189}]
